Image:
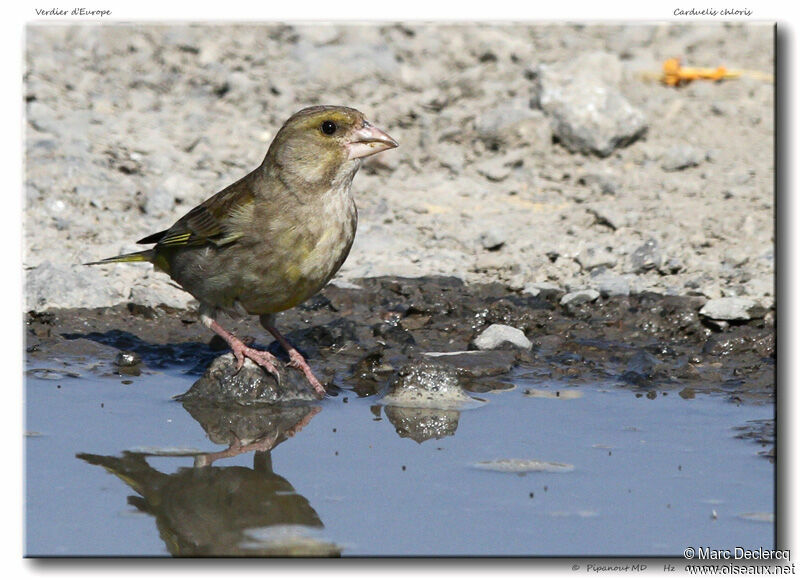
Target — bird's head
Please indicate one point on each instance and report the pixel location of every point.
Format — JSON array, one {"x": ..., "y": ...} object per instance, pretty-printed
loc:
[{"x": 323, "y": 144}]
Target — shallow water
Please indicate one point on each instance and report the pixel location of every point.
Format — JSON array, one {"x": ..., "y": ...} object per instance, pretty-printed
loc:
[{"x": 632, "y": 476}]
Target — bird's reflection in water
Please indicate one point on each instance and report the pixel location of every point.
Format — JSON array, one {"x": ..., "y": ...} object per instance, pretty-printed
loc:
[{"x": 209, "y": 510}]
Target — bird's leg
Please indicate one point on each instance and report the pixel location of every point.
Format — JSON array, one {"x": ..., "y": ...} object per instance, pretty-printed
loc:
[
  {"x": 241, "y": 350},
  {"x": 296, "y": 359}
]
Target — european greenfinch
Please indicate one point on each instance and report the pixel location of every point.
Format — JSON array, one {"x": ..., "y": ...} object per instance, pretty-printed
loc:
[{"x": 274, "y": 238}]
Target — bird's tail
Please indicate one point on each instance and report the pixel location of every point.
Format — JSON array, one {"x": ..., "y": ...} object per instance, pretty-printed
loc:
[{"x": 143, "y": 256}]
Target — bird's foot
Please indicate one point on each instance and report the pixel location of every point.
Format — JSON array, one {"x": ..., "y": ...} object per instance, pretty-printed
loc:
[
  {"x": 297, "y": 361},
  {"x": 242, "y": 351},
  {"x": 261, "y": 357}
]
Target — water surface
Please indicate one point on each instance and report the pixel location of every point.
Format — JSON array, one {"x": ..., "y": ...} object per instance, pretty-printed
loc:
[{"x": 122, "y": 469}]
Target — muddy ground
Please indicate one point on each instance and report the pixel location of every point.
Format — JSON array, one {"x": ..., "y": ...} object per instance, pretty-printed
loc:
[{"x": 360, "y": 339}]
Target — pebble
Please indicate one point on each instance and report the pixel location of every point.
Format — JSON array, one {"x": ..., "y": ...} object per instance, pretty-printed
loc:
[
  {"x": 732, "y": 308},
  {"x": 545, "y": 290},
  {"x": 579, "y": 297},
  {"x": 596, "y": 256},
  {"x": 760, "y": 287},
  {"x": 512, "y": 125},
  {"x": 673, "y": 265},
  {"x": 127, "y": 359},
  {"x": 646, "y": 257},
  {"x": 160, "y": 201},
  {"x": 610, "y": 216},
  {"x": 600, "y": 183},
  {"x": 497, "y": 168},
  {"x": 159, "y": 292},
  {"x": 680, "y": 157},
  {"x": 587, "y": 112},
  {"x": 609, "y": 284},
  {"x": 525, "y": 466},
  {"x": 497, "y": 335},
  {"x": 493, "y": 239},
  {"x": 427, "y": 385}
]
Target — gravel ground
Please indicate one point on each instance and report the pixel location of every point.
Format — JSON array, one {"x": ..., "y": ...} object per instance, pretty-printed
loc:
[{"x": 531, "y": 155}]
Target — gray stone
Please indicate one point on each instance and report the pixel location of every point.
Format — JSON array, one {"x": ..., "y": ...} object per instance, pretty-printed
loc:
[
  {"x": 498, "y": 168},
  {"x": 594, "y": 257},
  {"x": 544, "y": 290},
  {"x": 735, "y": 257},
  {"x": 513, "y": 125},
  {"x": 451, "y": 157},
  {"x": 494, "y": 261},
  {"x": 160, "y": 294},
  {"x": 56, "y": 285},
  {"x": 127, "y": 359},
  {"x": 92, "y": 195},
  {"x": 525, "y": 466},
  {"x": 760, "y": 287},
  {"x": 609, "y": 284},
  {"x": 341, "y": 283},
  {"x": 610, "y": 216},
  {"x": 732, "y": 308},
  {"x": 493, "y": 239},
  {"x": 599, "y": 183},
  {"x": 712, "y": 290},
  {"x": 223, "y": 383},
  {"x": 680, "y": 157},
  {"x": 646, "y": 257},
  {"x": 672, "y": 266},
  {"x": 497, "y": 335},
  {"x": 531, "y": 290},
  {"x": 587, "y": 112},
  {"x": 239, "y": 84},
  {"x": 579, "y": 297},
  {"x": 42, "y": 117},
  {"x": 160, "y": 201},
  {"x": 423, "y": 384}
]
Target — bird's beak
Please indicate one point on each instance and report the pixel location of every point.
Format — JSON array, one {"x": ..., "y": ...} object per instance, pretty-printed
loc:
[{"x": 368, "y": 141}]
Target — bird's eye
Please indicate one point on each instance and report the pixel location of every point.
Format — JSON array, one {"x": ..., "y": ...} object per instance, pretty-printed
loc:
[{"x": 328, "y": 127}]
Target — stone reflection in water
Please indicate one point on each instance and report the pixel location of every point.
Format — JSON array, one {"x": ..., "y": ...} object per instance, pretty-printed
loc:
[
  {"x": 421, "y": 424},
  {"x": 424, "y": 400},
  {"x": 426, "y": 384},
  {"x": 236, "y": 425},
  {"x": 206, "y": 510}
]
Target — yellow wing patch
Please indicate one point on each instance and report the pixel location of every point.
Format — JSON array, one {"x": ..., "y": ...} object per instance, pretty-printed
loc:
[{"x": 178, "y": 239}]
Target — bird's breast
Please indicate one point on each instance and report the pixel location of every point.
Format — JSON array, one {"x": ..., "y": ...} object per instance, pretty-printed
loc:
[
  {"x": 326, "y": 238},
  {"x": 303, "y": 254}
]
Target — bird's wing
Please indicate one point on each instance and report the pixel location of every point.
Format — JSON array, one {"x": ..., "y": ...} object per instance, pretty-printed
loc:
[{"x": 215, "y": 221}]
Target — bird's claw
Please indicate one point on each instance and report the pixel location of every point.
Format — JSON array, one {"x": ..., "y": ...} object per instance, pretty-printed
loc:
[
  {"x": 239, "y": 362},
  {"x": 261, "y": 358},
  {"x": 298, "y": 362}
]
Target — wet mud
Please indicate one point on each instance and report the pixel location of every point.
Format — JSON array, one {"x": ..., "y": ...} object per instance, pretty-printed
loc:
[{"x": 407, "y": 339}]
